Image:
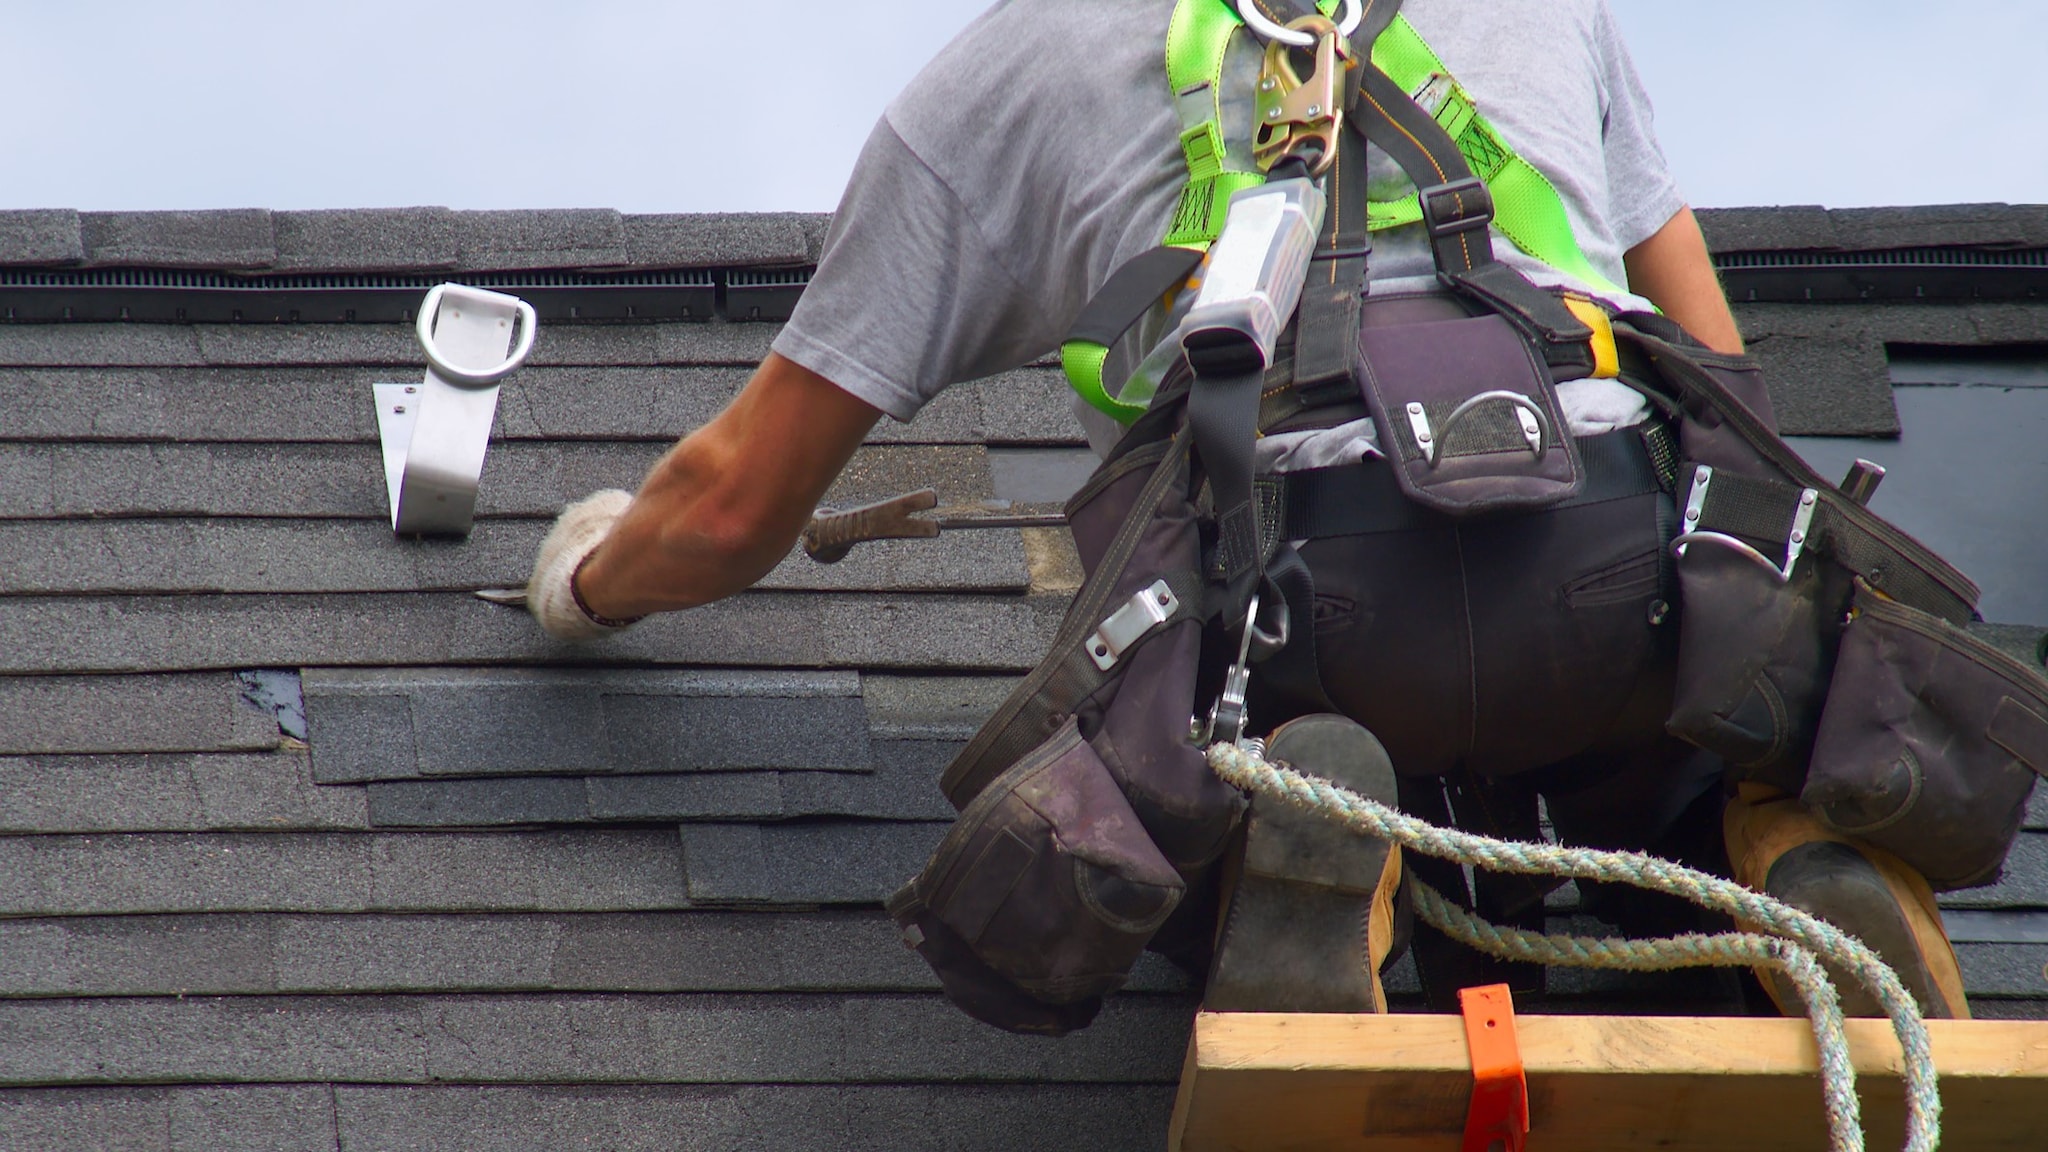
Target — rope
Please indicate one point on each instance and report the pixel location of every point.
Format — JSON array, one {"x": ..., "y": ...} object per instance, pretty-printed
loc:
[{"x": 1800, "y": 942}]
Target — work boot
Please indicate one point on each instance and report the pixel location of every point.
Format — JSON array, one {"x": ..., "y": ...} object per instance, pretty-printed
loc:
[
  {"x": 1777, "y": 847},
  {"x": 1311, "y": 916}
]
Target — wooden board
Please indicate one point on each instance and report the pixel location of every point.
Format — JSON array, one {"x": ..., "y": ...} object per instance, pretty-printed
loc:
[{"x": 1400, "y": 1083}]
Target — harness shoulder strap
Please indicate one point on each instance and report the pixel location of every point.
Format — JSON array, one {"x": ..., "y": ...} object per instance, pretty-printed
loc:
[{"x": 1527, "y": 208}]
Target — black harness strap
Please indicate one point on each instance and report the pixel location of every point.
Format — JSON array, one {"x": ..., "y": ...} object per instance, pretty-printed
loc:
[
  {"x": 1456, "y": 211},
  {"x": 1328, "y": 316}
]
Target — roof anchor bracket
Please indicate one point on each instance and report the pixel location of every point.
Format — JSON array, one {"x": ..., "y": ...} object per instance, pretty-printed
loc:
[{"x": 435, "y": 433}]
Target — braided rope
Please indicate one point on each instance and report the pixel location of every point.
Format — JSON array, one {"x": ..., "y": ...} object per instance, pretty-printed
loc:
[
  {"x": 1249, "y": 770},
  {"x": 1693, "y": 950}
]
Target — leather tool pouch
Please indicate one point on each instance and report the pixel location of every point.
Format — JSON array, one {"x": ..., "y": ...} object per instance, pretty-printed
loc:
[
  {"x": 1468, "y": 414},
  {"x": 1757, "y": 634},
  {"x": 1930, "y": 744},
  {"x": 1046, "y": 885},
  {"x": 1085, "y": 809},
  {"x": 1899, "y": 726}
]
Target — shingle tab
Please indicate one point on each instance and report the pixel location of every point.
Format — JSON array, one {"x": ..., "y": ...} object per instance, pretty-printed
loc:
[
  {"x": 903, "y": 786},
  {"x": 48, "y": 634},
  {"x": 1828, "y": 386},
  {"x": 791, "y": 1118},
  {"x": 266, "y": 954},
  {"x": 1929, "y": 226},
  {"x": 247, "y": 1118},
  {"x": 520, "y": 479},
  {"x": 367, "y": 240},
  {"x": 230, "y": 239},
  {"x": 519, "y": 239},
  {"x": 470, "y": 722},
  {"x": 565, "y": 870},
  {"x": 1786, "y": 229},
  {"x": 570, "y": 1040},
  {"x": 2004, "y": 970},
  {"x": 203, "y": 712},
  {"x": 478, "y": 803},
  {"x": 826, "y": 862},
  {"x": 39, "y": 236},
  {"x": 171, "y": 793},
  {"x": 933, "y": 707},
  {"x": 321, "y": 404},
  {"x": 716, "y": 239}
]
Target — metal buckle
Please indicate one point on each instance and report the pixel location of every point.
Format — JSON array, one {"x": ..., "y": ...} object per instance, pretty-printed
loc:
[
  {"x": 1795, "y": 538},
  {"x": 1297, "y": 116},
  {"x": 1143, "y": 612},
  {"x": 1469, "y": 197}
]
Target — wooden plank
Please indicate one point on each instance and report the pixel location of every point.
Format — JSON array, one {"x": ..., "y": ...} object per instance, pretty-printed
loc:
[{"x": 1400, "y": 1083}]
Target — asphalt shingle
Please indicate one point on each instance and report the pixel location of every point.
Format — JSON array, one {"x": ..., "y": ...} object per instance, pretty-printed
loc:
[
  {"x": 246, "y": 1118},
  {"x": 322, "y": 481},
  {"x": 467, "y": 722},
  {"x": 1828, "y": 386},
  {"x": 519, "y": 239},
  {"x": 234, "y": 239},
  {"x": 792, "y": 1118},
  {"x": 39, "y": 236},
  {"x": 167, "y": 792},
  {"x": 717, "y": 239},
  {"x": 48, "y": 634},
  {"x": 200, "y": 712},
  {"x": 570, "y": 1039},
  {"x": 823, "y": 862},
  {"x": 367, "y": 240},
  {"x": 1789, "y": 228},
  {"x": 563, "y": 870},
  {"x": 562, "y": 405}
]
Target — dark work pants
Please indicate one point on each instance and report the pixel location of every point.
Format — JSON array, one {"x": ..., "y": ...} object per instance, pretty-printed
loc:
[{"x": 1514, "y": 657}]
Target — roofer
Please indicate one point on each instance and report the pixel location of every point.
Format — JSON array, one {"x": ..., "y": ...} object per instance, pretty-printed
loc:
[{"x": 1493, "y": 598}]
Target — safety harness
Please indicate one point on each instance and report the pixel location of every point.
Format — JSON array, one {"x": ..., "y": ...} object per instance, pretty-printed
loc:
[{"x": 1525, "y": 207}]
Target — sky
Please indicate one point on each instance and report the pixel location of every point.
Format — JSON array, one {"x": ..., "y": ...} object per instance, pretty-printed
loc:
[{"x": 694, "y": 106}]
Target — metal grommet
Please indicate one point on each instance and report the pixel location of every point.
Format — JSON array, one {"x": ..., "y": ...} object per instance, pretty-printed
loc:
[{"x": 1660, "y": 611}]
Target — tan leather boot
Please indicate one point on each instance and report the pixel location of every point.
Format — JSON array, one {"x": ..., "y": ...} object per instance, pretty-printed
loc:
[
  {"x": 1309, "y": 919},
  {"x": 1777, "y": 847}
]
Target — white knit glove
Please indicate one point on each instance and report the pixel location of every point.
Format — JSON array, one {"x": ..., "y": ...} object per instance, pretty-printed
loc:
[{"x": 550, "y": 592}]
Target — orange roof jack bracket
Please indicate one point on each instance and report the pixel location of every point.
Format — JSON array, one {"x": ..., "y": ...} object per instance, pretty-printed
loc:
[{"x": 1498, "y": 1120}]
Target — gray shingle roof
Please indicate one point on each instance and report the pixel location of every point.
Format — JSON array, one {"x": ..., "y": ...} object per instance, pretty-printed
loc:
[{"x": 487, "y": 890}]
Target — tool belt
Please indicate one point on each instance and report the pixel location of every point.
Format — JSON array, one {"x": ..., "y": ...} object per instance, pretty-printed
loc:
[{"x": 1819, "y": 648}]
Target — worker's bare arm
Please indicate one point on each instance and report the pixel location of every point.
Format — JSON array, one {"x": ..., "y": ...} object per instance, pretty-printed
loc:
[
  {"x": 727, "y": 502},
  {"x": 1672, "y": 269}
]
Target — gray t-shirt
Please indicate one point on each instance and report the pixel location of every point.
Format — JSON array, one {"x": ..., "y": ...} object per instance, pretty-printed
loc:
[{"x": 1040, "y": 151}]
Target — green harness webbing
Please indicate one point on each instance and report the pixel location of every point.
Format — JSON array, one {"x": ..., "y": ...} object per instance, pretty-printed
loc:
[{"x": 1527, "y": 208}]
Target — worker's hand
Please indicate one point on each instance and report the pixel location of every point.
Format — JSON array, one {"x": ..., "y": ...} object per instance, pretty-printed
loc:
[{"x": 550, "y": 592}]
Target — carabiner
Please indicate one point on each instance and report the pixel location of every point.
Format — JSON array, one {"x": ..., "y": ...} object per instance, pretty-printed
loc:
[{"x": 1298, "y": 117}]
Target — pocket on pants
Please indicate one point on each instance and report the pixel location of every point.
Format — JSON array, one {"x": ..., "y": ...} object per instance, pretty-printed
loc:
[
  {"x": 1930, "y": 744},
  {"x": 1048, "y": 878}
]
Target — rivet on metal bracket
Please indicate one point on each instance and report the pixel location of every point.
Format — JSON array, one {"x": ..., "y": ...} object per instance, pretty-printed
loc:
[{"x": 435, "y": 433}]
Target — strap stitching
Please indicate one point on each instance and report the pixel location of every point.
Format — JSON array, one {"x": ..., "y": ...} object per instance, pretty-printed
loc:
[{"x": 1464, "y": 244}]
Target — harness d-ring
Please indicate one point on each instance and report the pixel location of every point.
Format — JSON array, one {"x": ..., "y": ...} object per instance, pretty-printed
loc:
[{"x": 1257, "y": 21}]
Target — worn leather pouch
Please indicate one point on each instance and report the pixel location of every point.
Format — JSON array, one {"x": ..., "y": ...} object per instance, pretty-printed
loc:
[
  {"x": 1468, "y": 414},
  {"x": 1755, "y": 652},
  {"x": 1930, "y": 743},
  {"x": 1049, "y": 879}
]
